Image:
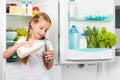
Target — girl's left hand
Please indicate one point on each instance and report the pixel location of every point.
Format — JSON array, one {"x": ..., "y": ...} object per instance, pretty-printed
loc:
[{"x": 49, "y": 55}]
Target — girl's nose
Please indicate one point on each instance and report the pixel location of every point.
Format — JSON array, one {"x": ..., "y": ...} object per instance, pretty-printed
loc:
[{"x": 43, "y": 32}]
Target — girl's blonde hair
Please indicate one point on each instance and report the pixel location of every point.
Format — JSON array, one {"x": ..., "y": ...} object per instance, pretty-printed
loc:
[{"x": 35, "y": 19}]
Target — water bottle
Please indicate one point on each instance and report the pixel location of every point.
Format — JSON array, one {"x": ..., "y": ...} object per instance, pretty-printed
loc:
[
  {"x": 82, "y": 41},
  {"x": 24, "y": 6},
  {"x": 29, "y": 8},
  {"x": 72, "y": 9},
  {"x": 73, "y": 38}
]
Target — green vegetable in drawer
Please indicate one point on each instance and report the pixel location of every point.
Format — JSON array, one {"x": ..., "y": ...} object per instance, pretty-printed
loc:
[
  {"x": 106, "y": 39},
  {"x": 91, "y": 37},
  {"x": 99, "y": 38}
]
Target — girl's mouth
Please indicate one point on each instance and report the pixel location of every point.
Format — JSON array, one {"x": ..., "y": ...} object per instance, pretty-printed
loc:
[{"x": 40, "y": 36}]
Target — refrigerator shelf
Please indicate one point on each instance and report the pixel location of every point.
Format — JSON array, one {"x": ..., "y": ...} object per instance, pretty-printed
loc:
[
  {"x": 91, "y": 18},
  {"x": 13, "y": 14},
  {"x": 8, "y": 41},
  {"x": 90, "y": 54},
  {"x": 92, "y": 49}
]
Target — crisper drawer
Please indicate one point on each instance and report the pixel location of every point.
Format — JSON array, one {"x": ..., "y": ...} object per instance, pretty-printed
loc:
[{"x": 90, "y": 54}]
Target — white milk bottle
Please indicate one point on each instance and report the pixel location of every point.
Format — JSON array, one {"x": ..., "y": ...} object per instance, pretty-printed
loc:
[
  {"x": 82, "y": 41},
  {"x": 72, "y": 9},
  {"x": 25, "y": 51}
]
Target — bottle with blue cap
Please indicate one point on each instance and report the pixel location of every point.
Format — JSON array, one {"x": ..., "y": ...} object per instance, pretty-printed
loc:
[
  {"x": 72, "y": 9},
  {"x": 29, "y": 8},
  {"x": 73, "y": 38},
  {"x": 24, "y": 6},
  {"x": 82, "y": 41}
]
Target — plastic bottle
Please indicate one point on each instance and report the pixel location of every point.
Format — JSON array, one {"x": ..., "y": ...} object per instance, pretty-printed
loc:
[
  {"x": 24, "y": 6},
  {"x": 82, "y": 41},
  {"x": 29, "y": 8},
  {"x": 72, "y": 9},
  {"x": 73, "y": 38},
  {"x": 25, "y": 51}
]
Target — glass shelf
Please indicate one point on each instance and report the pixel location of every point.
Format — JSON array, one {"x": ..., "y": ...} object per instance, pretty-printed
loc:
[
  {"x": 10, "y": 41},
  {"x": 13, "y": 58},
  {"x": 91, "y": 18},
  {"x": 92, "y": 49},
  {"x": 11, "y": 14}
]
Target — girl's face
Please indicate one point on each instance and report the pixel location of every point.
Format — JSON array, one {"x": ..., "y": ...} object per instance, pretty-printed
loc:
[{"x": 39, "y": 29}]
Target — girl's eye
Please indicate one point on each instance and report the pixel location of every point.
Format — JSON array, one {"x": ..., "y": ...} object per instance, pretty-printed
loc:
[
  {"x": 45, "y": 30},
  {"x": 41, "y": 28}
]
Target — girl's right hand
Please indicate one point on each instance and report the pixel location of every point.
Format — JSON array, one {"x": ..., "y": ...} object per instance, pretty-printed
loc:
[{"x": 11, "y": 50}]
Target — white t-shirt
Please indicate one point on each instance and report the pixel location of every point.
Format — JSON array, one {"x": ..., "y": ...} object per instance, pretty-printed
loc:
[{"x": 35, "y": 69}]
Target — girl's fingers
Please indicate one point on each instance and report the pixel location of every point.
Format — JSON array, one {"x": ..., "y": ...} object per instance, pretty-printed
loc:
[
  {"x": 28, "y": 44},
  {"x": 49, "y": 55}
]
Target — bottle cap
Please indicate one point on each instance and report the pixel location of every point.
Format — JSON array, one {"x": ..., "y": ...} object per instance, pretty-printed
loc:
[
  {"x": 73, "y": 26},
  {"x": 23, "y": 2},
  {"x": 82, "y": 34},
  {"x": 72, "y": 0},
  {"x": 29, "y": 2}
]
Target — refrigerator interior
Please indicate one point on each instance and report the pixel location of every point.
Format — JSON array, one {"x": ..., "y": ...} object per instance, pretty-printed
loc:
[
  {"x": 84, "y": 9},
  {"x": 14, "y": 20},
  {"x": 50, "y": 7}
]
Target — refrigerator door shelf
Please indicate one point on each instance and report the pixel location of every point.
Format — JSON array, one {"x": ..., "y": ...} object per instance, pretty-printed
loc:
[
  {"x": 90, "y": 54},
  {"x": 91, "y": 18}
]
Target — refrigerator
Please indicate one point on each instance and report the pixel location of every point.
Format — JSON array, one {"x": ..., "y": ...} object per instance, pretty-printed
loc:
[
  {"x": 49, "y": 7},
  {"x": 85, "y": 14},
  {"x": 2, "y": 38},
  {"x": 10, "y": 70}
]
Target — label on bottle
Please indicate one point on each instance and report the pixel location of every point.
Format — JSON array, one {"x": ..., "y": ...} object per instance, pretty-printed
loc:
[
  {"x": 73, "y": 38},
  {"x": 29, "y": 8},
  {"x": 76, "y": 41},
  {"x": 83, "y": 43},
  {"x": 71, "y": 9}
]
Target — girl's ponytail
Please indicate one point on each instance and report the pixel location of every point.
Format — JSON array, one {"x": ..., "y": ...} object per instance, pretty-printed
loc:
[{"x": 25, "y": 59}]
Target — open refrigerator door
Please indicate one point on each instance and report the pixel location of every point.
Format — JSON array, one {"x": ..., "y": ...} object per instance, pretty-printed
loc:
[
  {"x": 2, "y": 38},
  {"x": 92, "y": 16}
]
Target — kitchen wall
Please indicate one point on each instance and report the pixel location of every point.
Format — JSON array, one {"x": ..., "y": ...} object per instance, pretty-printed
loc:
[
  {"x": 114, "y": 67},
  {"x": 118, "y": 25}
]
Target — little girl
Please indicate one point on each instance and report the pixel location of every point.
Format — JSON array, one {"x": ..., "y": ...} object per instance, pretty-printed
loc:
[{"x": 34, "y": 66}]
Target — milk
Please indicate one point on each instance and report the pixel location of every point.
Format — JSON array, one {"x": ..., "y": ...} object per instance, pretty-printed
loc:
[{"x": 25, "y": 51}]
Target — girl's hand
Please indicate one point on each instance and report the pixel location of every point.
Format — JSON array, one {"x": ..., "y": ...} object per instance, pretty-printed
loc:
[
  {"x": 49, "y": 55},
  {"x": 25, "y": 44}
]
